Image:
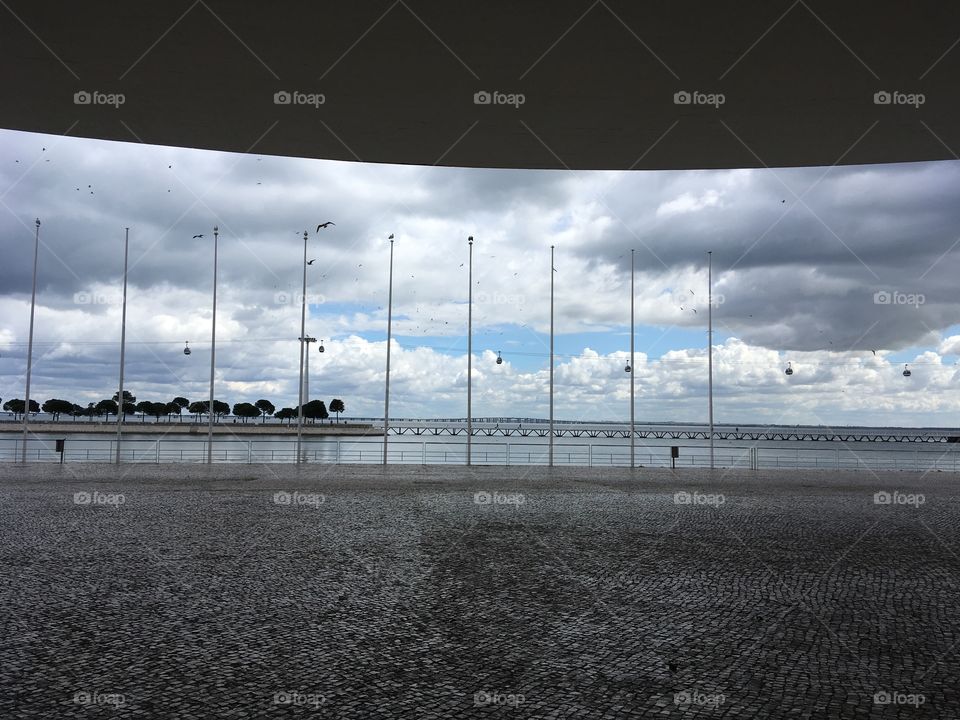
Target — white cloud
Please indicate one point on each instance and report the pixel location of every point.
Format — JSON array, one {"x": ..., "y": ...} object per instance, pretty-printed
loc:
[{"x": 689, "y": 203}]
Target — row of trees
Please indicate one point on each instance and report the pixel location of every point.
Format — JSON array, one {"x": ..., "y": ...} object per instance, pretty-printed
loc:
[{"x": 313, "y": 410}]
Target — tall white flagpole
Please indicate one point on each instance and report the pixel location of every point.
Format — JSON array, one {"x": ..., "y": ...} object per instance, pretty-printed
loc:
[
  {"x": 470, "y": 352},
  {"x": 633, "y": 366},
  {"x": 33, "y": 305},
  {"x": 551, "y": 356},
  {"x": 123, "y": 343},
  {"x": 213, "y": 349},
  {"x": 386, "y": 394},
  {"x": 303, "y": 328},
  {"x": 710, "y": 345}
]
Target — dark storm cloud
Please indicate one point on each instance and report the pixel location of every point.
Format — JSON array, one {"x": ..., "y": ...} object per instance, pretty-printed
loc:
[
  {"x": 89, "y": 192},
  {"x": 801, "y": 255}
]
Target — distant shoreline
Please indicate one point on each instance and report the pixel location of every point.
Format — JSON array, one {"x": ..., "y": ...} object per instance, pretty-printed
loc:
[{"x": 195, "y": 429}]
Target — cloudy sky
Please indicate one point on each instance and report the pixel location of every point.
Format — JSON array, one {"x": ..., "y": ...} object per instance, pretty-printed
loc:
[{"x": 846, "y": 273}]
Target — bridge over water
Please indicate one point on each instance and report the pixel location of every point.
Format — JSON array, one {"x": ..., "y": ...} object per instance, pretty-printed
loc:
[{"x": 536, "y": 428}]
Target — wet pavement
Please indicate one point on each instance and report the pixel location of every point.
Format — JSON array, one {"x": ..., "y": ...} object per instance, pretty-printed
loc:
[{"x": 442, "y": 592}]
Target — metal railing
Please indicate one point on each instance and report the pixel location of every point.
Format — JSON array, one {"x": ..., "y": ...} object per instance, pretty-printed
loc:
[{"x": 426, "y": 452}]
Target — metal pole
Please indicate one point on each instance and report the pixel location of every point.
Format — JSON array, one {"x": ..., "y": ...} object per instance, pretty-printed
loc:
[
  {"x": 470, "y": 352},
  {"x": 306, "y": 366},
  {"x": 213, "y": 350},
  {"x": 710, "y": 345},
  {"x": 303, "y": 323},
  {"x": 123, "y": 343},
  {"x": 633, "y": 367},
  {"x": 33, "y": 304},
  {"x": 386, "y": 395},
  {"x": 551, "y": 357}
]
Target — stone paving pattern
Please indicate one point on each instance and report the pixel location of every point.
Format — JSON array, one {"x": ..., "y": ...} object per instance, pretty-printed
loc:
[{"x": 394, "y": 593}]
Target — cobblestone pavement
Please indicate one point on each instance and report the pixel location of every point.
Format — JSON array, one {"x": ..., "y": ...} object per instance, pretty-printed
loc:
[{"x": 357, "y": 592}]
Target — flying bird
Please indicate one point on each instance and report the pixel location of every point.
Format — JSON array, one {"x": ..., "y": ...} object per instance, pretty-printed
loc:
[
  {"x": 195, "y": 236},
  {"x": 326, "y": 224}
]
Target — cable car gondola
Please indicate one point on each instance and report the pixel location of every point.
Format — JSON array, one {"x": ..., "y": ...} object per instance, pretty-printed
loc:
[
  {"x": 320, "y": 346},
  {"x": 628, "y": 369},
  {"x": 789, "y": 370},
  {"x": 906, "y": 371},
  {"x": 499, "y": 359},
  {"x": 186, "y": 349}
]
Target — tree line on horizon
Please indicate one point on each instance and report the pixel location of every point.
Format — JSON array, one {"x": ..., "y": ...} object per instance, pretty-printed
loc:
[{"x": 313, "y": 410}]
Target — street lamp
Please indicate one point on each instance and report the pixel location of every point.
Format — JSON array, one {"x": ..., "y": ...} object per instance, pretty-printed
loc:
[{"x": 33, "y": 305}]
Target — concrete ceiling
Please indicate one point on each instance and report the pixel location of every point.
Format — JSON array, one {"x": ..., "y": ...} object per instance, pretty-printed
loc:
[{"x": 398, "y": 79}]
